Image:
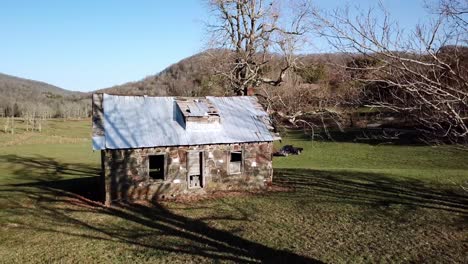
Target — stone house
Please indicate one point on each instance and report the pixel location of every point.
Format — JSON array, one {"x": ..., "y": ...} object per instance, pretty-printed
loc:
[{"x": 162, "y": 147}]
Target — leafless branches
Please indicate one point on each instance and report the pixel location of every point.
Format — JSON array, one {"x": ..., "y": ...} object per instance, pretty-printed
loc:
[
  {"x": 423, "y": 72},
  {"x": 253, "y": 31}
]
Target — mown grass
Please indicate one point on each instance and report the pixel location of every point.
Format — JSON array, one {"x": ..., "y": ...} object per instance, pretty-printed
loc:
[
  {"x": 441, "y": 164},
  {"x": 348, "y": 203},
  {"x": 53, "y": 131}
]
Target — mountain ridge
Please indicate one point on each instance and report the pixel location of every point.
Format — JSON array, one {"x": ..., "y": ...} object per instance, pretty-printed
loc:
[
  {"x": 21, "y": 97},
  {"x": 191, "y": 76},
  {"x": 6, "y": 79}
]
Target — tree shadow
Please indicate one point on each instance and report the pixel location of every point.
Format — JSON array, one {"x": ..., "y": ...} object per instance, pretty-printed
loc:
[
  {"x": 371, "y": 136},
  {"x": 61, "y": 192},
  {"x": 44, "y": 172},
  {"x": 373, "y": 190},
  {"x": 64, "y": 197}
]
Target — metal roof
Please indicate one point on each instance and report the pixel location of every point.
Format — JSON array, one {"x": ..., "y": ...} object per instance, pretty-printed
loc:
[
  {"x": 141, "y": 121},
  {"x": 196, "y": 107}
]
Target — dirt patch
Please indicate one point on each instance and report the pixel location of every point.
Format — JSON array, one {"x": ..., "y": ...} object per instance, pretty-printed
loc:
[
  {"x": 223, "y": 194},
  {"x": 79, "y": 200}
]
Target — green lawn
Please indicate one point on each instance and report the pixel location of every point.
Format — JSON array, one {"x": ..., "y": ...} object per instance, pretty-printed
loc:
[{"x": 347, "y": 203}]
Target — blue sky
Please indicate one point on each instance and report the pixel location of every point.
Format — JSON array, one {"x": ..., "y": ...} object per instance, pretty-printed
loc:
[{"x": 91, "y": 44}]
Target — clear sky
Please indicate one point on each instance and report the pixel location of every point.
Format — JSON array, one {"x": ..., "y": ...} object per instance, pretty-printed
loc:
[{"x": 86, "y": 45}]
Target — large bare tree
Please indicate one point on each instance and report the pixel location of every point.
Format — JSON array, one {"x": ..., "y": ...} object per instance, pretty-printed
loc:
[
  {"x": 252, "y": 32},
  {"x": 421, "y": 72}
]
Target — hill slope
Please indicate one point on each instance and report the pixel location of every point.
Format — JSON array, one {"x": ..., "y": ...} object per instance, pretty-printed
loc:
[
  {"x": 192, "y": 76},
  {"x": 20, "y": 97},
  {"x": 13, "y": 85},
  {"x": 196, "y": 75}
]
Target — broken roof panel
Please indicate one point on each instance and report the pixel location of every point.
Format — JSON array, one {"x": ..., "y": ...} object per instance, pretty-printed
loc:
[
  {"x": 196, "y": 107},
  {"x": 137, "y": 121}
]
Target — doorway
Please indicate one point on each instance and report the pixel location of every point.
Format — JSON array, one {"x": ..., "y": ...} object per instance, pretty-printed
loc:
[{"x": 195, "y": 175}]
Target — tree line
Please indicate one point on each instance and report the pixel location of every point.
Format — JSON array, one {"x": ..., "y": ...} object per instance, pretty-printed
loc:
[
  {"x": 45, "y": 109},
  {"x": 421, "y": 73}
]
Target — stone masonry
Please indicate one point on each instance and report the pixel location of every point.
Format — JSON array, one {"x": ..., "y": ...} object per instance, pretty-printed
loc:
[{"x": 126, "y": 172}]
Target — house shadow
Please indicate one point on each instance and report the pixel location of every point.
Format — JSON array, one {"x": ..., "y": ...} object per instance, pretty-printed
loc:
[{"x": 62, "y": 191}]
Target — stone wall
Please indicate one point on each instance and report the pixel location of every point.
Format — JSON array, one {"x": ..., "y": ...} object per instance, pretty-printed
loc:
[{"x": 126, "y": 174}]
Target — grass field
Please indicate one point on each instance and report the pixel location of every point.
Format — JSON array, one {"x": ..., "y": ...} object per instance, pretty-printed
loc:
[{"x": 348, "y": 203}]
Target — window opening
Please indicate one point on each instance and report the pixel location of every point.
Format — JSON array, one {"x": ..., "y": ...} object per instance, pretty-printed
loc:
[
  {"x": 156, "y": 167},
  {"x": 235, "y": 162}
]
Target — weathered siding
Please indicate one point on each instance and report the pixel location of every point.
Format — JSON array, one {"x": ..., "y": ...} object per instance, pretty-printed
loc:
[{"x": 126, "y": 171}]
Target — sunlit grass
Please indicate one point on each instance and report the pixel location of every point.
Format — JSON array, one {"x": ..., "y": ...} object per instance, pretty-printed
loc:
[{"x": 347, "y": 203}]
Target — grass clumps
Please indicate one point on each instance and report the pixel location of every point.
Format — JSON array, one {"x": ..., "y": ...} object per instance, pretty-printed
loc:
[{"x": 349, "y": 203}]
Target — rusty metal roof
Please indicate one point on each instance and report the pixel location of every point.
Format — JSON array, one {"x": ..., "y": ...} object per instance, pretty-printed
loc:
[{"x": 143, "y": 121}]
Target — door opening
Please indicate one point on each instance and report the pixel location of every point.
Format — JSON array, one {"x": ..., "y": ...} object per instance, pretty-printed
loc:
[{"x": 195, "y": 169}]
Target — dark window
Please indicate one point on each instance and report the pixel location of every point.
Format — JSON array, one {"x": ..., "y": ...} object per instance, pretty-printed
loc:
[
  {"x": 156, "y": 167},
  {"x": 235, "y": 162}
]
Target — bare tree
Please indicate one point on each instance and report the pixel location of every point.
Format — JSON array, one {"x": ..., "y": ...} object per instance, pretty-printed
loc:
[
  {"x": 454, "y": 9},
  {"x": 6, "y": 126},
  {"x": 422, "y": 73},
  {"x": 252, "y": 32}
]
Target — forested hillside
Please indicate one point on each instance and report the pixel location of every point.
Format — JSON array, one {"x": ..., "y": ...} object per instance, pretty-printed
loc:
[
  {"x": 202, "y": 74},
  {"x": 22, "y": 97},
  {"x": 192, "y": 76}
]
